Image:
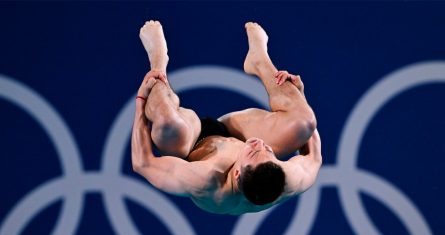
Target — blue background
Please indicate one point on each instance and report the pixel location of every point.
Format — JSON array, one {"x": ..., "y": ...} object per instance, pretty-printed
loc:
[{"x": 86, "y": 60}]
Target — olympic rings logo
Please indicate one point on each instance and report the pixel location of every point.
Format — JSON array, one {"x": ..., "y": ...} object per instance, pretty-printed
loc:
[{"x": 74, "y": 182}]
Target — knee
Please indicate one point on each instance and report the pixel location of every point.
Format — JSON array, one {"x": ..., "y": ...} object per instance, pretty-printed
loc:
[
  {"x": 169, "y": 134},
  {"x": 310, "y": 124},
  {"x": 171, "y": 138},
  {"x": 169, "y": 128},
  {"x": 303, "y": 125}
]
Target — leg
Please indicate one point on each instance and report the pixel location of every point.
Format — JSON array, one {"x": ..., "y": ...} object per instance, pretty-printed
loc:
[
  {"x": 281, "y": 98},
  {"x": 174, "y": 129},
  {"x": 291, "y": 119}
]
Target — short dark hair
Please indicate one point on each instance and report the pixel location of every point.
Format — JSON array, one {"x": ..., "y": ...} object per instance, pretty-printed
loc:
[{"x": 262, "y": 184}]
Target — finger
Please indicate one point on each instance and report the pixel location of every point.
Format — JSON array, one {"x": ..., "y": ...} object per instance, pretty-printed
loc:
[
  {"x": 153, "y": 73},
  {"x": 151, "y": 83},
  {"x": 145, "y": 80},
  {"x": 149, "y": 77},
  {"x": 279, "y": 73},
  {"x": 295, "y": 78},
  {"x": 277, "y": 80},
  {"x": 280, "y": 81},
  {"x": 284, "y": 76},
  {"x": 149, "y": 74},
  {"x": 164, "y": 78},
  {"x": 152, "y": 80}
]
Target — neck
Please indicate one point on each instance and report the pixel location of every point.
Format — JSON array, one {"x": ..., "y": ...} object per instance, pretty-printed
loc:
[{"x": 231, "y": 182}]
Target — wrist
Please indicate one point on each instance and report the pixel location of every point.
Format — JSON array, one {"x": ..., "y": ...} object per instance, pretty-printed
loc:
[
  {"x": 140, "y": 103},
  {"x": 142, "y": 98}
]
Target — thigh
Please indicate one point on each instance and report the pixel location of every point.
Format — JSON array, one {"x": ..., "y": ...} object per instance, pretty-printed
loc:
[
  {"x": 275, "y": 128},
  {"x": 193, "y": 125}
]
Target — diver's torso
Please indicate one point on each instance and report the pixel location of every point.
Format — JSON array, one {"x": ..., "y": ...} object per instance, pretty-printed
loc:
[{"x": 219, "y": 196}]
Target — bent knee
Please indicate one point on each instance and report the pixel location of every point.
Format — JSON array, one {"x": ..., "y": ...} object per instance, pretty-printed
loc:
[
  {"x": 169, "y": 128},
  {"x": 303, "y": 126},
  {"x": 171, "y": 136}
]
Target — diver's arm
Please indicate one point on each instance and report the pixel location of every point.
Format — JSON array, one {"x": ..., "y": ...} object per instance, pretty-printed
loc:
[
  {"x": 167, "y": 173},
  {"x": 302, "y": 170}
]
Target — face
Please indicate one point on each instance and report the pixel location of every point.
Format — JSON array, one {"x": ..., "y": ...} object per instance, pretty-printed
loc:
[{"x": 255, "y": 152}]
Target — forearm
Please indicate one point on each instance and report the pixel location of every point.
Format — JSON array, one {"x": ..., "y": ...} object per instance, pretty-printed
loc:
[
  {"x": 312, "y": 150},
  {"x": 303, "y": 169},
  {"x": 141, "y": 149}
]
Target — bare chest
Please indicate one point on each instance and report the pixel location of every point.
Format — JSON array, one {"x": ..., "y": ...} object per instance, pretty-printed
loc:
[
  {"x": 216, "y": 148},
  {"x": 222, "y": 153}
]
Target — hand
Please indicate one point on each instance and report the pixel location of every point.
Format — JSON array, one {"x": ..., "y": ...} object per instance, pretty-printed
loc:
[
  {"x": 282, "y": 76},
  {"x": 150, "y": 80},
  {"x": 147, "y": 84},
  {"x": 157, "y": 74}
]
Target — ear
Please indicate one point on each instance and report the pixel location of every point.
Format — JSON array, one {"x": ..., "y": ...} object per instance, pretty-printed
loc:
[{"x": 237, "y": 174}]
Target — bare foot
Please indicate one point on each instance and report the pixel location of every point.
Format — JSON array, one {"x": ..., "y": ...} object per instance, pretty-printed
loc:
[
  {"x": 152, "y": 37},
  {"x": 257, "y": 53}
]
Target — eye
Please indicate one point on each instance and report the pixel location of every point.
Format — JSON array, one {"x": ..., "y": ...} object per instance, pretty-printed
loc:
[{"x": 253, "y": 153}]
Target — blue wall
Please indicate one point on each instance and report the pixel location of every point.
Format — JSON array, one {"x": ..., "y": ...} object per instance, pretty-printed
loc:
[{"x": 374, "y": 74}]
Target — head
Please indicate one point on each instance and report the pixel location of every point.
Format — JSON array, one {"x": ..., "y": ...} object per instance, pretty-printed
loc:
[{"x": 260, "y": 177}]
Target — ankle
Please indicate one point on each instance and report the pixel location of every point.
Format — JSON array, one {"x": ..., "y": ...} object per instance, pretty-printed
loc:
[
  {"x": 265, "y": 67},
  {"x": 159, "y": 63}
]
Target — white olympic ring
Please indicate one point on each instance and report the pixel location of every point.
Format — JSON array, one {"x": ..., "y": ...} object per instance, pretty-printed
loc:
[{"x": 74, "y": 183}]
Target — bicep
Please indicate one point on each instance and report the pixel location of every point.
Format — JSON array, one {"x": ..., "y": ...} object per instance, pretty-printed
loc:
[
  {"x": 301, "y": 173},
  {"x": 176, "y": 176}
]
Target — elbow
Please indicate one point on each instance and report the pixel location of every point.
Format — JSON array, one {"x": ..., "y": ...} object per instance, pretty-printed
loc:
[
  {"x": 139, "y": 167},
  {"x": 136, "y": 167},
  {"x": 138, "y": 164}
]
